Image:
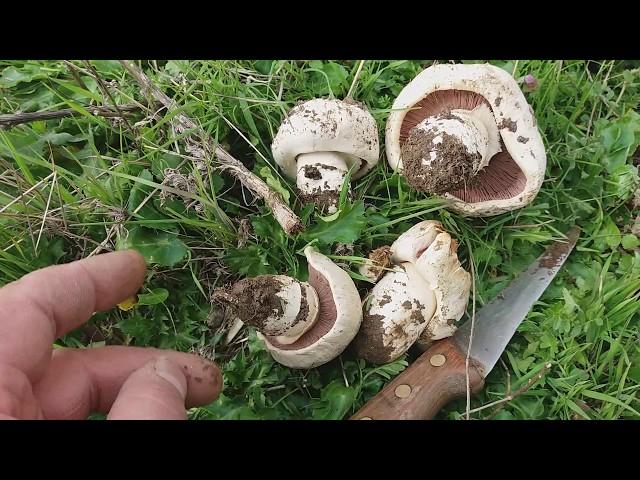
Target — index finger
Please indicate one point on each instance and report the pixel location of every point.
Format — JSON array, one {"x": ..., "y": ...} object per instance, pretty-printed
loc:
[{"x": 47, "y": 303}]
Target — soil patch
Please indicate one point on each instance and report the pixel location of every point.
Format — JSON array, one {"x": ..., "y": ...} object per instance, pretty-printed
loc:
[
  {"x": 253, "y": 300},
  {"x": 450, "y": 170},
  {"x": 368, "y": 343}
]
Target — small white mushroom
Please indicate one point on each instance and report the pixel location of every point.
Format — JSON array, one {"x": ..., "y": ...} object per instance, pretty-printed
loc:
[
  {"x": 467, "y": 132},
  {"x": 303, "y": 324},
  {"x": 320, "y": 141},
  {"x": 420, "y": 300}
]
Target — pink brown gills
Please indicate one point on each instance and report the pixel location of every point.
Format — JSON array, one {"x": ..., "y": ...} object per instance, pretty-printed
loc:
[{"x": 450, "y": 143}]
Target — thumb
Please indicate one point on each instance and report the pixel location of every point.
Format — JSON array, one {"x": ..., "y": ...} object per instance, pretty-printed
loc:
[{"x": 156, "y": 391}]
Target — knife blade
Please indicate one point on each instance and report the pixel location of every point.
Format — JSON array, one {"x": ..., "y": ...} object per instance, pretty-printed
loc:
[{"x": 439, "y": 375}]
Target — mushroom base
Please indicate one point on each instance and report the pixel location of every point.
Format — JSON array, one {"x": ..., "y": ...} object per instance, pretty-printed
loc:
[
  {"x": 320, "y": 178},
  {"x": 451, "y": 169},
  {"x": 253, "y": 300},
  {"x": 501, "y": 179}
]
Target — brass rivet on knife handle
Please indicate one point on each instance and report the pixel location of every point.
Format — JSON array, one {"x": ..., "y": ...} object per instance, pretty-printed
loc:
[
  {"x": 437, "y": 360},
  {"x": 422, "y": 389},
  {"x": 402, "y": 391}
]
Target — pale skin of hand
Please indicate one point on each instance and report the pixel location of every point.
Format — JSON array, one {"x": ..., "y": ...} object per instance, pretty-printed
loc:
[{"x": 39, "y": 382}]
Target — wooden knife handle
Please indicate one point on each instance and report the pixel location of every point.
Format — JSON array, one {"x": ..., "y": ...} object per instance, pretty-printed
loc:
[{"x": 437, "y": 377}]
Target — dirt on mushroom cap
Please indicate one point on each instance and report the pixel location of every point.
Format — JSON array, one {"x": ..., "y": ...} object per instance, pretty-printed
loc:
[
  {"x": 501, "y": 179},
  {"x": 450, "y": 170},
  {"x": 381, "y": 260},
  {"x": 327, "y": 314},
  {"x": 368, "y": 344},
  {"x": 253, "y": 300}
]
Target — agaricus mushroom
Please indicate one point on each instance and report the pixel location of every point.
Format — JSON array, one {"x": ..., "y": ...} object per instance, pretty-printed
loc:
[
  {"x": 466, "y": 132},
  {"x": 420, "y": 300},
  {"x": 303, "y": 324},
  {"x": 319, "y": 141}
]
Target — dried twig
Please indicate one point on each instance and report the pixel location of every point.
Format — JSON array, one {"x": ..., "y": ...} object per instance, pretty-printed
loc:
[
  {"x": 13, "y": 119},
  {"x": 107, "y": 95},
  {"x": 200, "y": 145},
  {"x": 503, "y": 401},
  {"x": 74, "y": 73}
]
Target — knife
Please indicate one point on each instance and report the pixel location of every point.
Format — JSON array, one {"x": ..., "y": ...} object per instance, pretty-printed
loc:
[{"x": 439, "y": 376}]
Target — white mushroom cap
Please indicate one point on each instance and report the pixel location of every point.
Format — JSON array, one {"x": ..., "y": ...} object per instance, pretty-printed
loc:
[
  {"x": 339, "y": 319},
  {"x": 327, "y": 125},
  {"x": 412, "y": 243},
  {"x": 440, "y": 267},
  {"x": 429, "y": 269},
  {"x": 514, "y": 119},
  {"x": 398, "y": 309}
]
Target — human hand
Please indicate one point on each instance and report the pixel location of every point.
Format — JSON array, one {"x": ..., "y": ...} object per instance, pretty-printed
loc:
[{"x": 37, "y": 382}]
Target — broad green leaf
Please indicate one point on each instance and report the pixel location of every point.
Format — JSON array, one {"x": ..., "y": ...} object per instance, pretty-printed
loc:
[
  {"x": 61, "y": 138},
  {"x": 12, "y": 76},
  {"x": 630, "y": 241},
  {"x": 264, "y": 66},
  {"x": 250, "y": 261},
  {"x": 166, "y": 160},
  {"x": 160, "y": 248},
  {"x": 345, "y": 229},
  {"x": 142, "y": 328},
  {"x": 608, "y": 237},
  {"x": 329, "y": 76},
  {"x": 267, "y": 228},
  {"x": 157, "y": 295},
  {"x": 623, "y": 181},
  {"x": 138, "y": 194},
  {"x": 335, "y": 401},
  {"x": 110, "y": 67}
]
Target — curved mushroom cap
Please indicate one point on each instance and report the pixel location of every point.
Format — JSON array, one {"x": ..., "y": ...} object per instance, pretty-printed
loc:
[
  {"x": 514, "y": 175},
  {"x": 428, "y": 255},
  {"x": 327, "y": 125},
  {"x": 339, "y": 317},
  {"x": 412, "y": 243},
  {"x": 396, "y": 313},
  {"x": 451, "y": 284}
]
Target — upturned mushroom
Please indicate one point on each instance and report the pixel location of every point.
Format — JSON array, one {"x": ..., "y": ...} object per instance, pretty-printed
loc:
[
  {"x": 303, "y": 324},
  {"x": 419, "y": 300},
  {"x": 320, "y": 141},
  {"x": 466, "y": 132}
]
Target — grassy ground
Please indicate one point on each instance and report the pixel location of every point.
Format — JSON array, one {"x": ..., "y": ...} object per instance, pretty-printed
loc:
[{"x": 68, "y": 186}]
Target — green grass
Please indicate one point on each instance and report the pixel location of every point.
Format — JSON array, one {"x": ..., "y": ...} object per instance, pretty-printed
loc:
[{"x": 68, "y": 185}]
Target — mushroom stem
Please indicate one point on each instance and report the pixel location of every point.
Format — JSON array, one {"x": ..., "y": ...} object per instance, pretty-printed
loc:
[
  {"x": 320, "y": 177},
  {"x": 276, "y": 305},
  {"x": 445, "y": 151}
]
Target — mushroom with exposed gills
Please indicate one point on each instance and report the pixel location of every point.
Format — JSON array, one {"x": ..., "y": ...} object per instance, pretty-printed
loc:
[
  {"x": 419, "y": 300},
  {"x": 320, "y": 141},
  {"x": 466, "y": 132},
  {"x": 303, "y": 324}
]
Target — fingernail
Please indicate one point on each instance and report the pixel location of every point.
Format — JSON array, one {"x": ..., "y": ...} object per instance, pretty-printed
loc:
[{"x": 171, "y": 372}]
